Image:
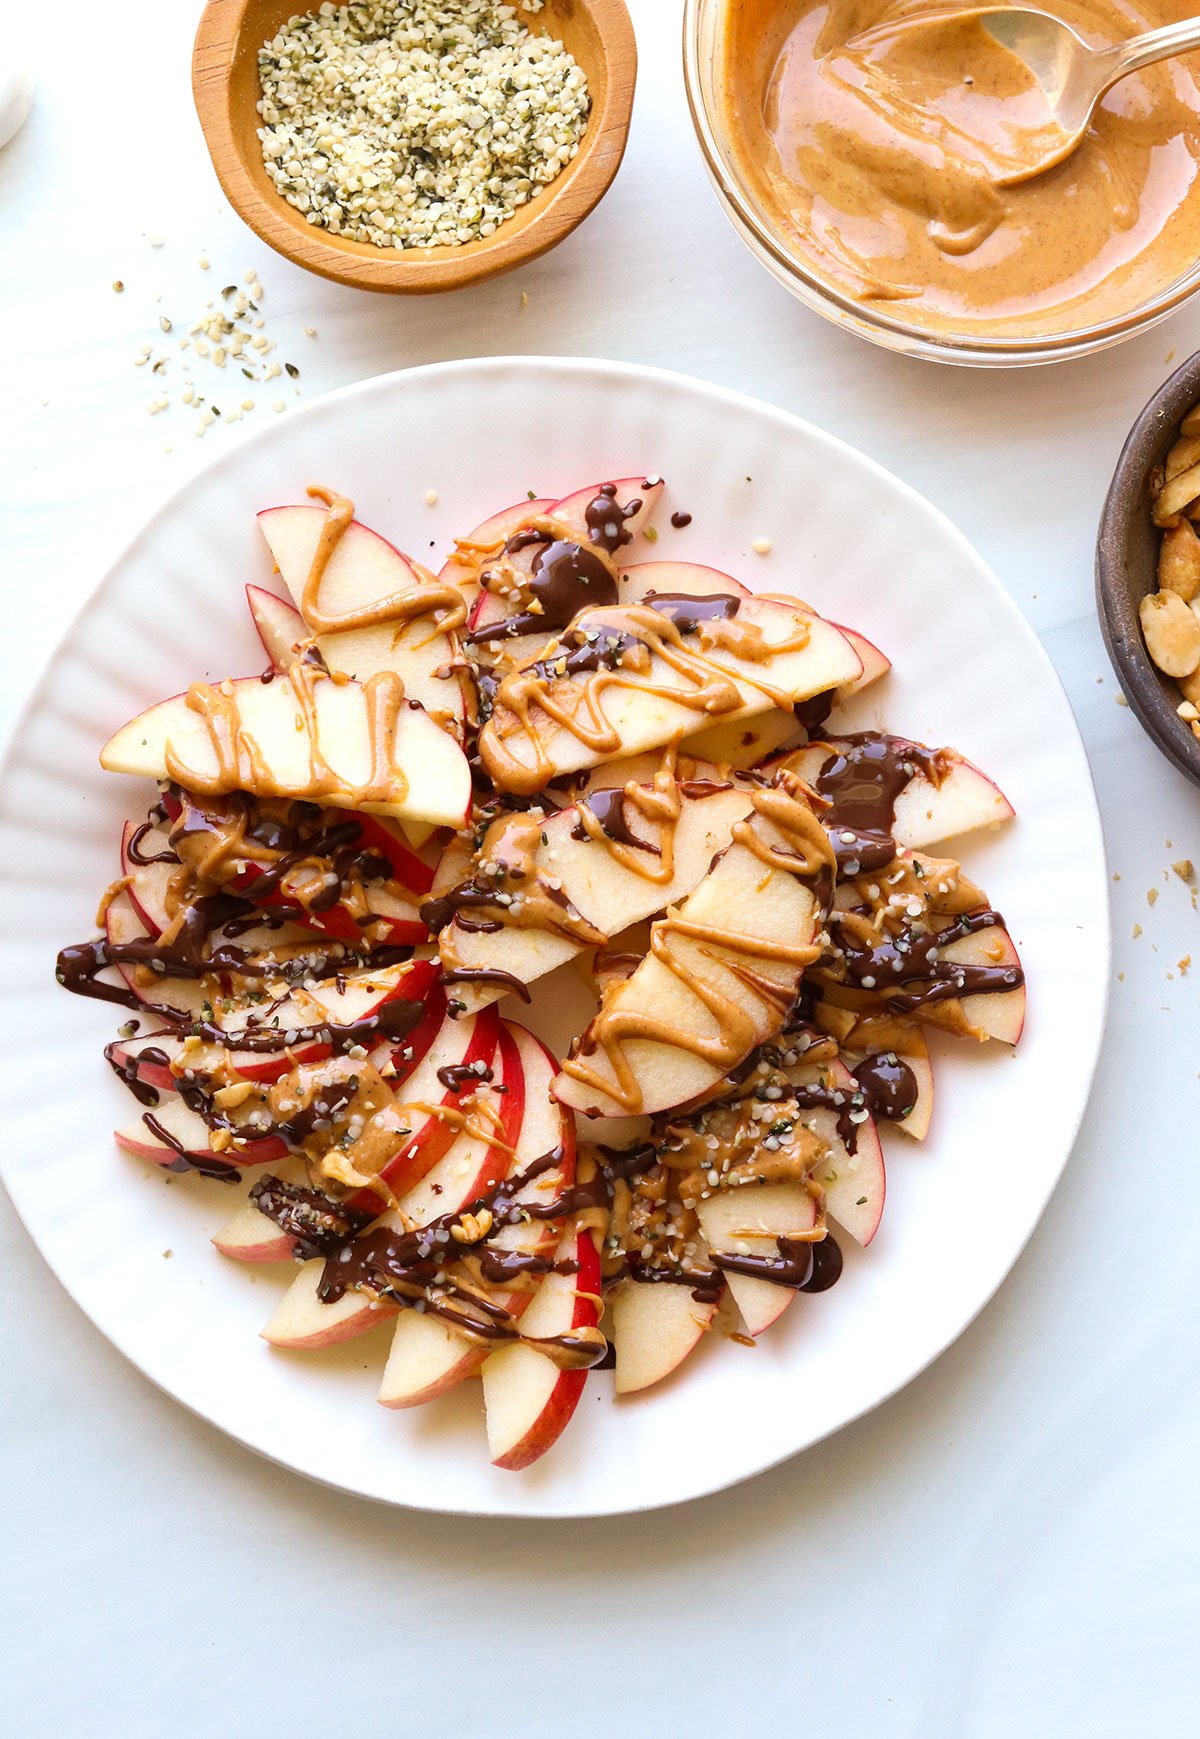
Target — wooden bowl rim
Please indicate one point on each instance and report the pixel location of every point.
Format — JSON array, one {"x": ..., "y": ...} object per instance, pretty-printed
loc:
[
  {"x": 1120, "y": 586},
  {"x": 359, "y": 264}
]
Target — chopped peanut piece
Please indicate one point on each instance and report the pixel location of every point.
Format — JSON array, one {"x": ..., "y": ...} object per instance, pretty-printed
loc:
[
  {"x": 1183, "y": 455},
  {"x": 1172, "y": 633},
  {"x": 1179, "y": 561}
]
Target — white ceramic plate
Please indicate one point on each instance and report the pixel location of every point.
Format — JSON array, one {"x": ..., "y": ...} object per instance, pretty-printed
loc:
[{"x": 968, "y": 671}]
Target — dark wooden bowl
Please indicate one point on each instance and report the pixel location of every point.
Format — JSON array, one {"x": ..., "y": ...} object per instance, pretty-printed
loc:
[{"x": 1127, "y": 568}]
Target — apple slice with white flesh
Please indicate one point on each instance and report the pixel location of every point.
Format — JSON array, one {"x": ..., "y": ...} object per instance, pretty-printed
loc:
[
  {"x": 655, "y": 1325},
  {"x": 747, "y": 742},
  {"x": 282, "y": 631},
  {"x": 447, "y": 1178},
  {"x": 191, "y": 1132},
  {"x": 363, "y": 572},
  {"x": 427, "y": 1358},
  {"x": 794, "y": 656},
  {"x": 716, "y": 982},
  {"x": 895, "y": 1059},
  {"x": 529, "y": 1400},
  {"x": 280, "y": 626},
  {"x": 854, "y": 1182},
  {"x": 749, "y": 1221},
  {"x": 123, "y": 926},
  {"x": 264, "y": 737},
  {"x": 925, "y": 813},
  {"x": 607, "y": 893},
  {"x": 575, "y": 518},
  {"x": 461, "y": 568},
  {"x": 980, "y": 1013},
  {"x": 141, "y": 1058},
  {"x": 993, "y": 1014},
  {"x": 249, "y": 1236},
  {"x": 875, "y": 664},
  {"x": 750, "y": 742}
]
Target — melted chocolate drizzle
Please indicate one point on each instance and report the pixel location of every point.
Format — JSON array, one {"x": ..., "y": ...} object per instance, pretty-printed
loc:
[
  {"x": 605, "y": 519},
  {"x": 608, "y": 807},
  {"x": 912, "y": 972},
  {"x": 888, "y": 1085},
  {"x": 207, "y": 1164},
  {"x": 862, "y": 781},
  {"x": 802, "y": 1266}
]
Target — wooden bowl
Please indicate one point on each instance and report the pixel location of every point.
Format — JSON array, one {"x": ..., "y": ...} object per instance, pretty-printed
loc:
[
  {"x": 226, "y": 87},
  {"x": 1127, "y": 568}
]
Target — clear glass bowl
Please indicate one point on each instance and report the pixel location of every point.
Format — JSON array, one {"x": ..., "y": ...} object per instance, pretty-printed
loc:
[{"x": 703, "y": 60}]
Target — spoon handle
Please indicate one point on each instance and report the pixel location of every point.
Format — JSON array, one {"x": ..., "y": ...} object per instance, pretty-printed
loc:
[{"x": 1127, "y": 57}]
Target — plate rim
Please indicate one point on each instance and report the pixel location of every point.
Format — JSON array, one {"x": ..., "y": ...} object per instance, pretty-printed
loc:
[{"x": 610, "y": 371}]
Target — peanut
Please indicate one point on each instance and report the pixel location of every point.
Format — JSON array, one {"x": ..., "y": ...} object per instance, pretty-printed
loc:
[
  {"x": 1172, "y": 633},
  {"x": 1179, "y": 561},
  {"x": 1183, "y": 455}
]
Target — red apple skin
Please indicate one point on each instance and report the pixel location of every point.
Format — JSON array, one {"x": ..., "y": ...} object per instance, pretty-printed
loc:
[
  {"x": 539, "y": 1072},
  {"x": 354, "y": 1316},
  {"x": 278, "y": 624},
  {"x": 495, "y": 530},
  {"x": 264, "y": 1152},
  {"x": 411, "y": 871},
  {"x": 417, "y": 983},
  {"x": 570, "y": 511},
  {"x": 545, "y": 1430}
]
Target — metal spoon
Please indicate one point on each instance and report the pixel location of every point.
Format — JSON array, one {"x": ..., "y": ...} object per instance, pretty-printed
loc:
[{"x": 1073, "y": 76}]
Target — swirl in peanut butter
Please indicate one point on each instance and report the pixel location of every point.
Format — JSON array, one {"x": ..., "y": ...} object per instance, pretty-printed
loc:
[{"x": 880, "y": 153}]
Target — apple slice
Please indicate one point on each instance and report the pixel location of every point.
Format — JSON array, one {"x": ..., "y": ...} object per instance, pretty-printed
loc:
[
  {"x": 749, "y": 1221},
  {"x": 883, "y": 1038},
  {"x": 574, "y": 516},
  {"x": 250, "y": 1236},
  {"x": 529, "y": 1400},
  {"x": 875, "y": 664},
  {"x": 166, "y": 996},
  {"x": 282, "y": 726},
  {"x": 462, "y": 1170},
  {"x": 669, "y": 1033},
  {"x": 461, "y": 568},
  {"x": 800, "y": 656},
  {"x": 642, "y": 582},
  {"x": 427, "y": 1358},
  {"x": 994, "y": 1014},
  {"x": 606, "y": 893},
  {"x": 979, "y": 1013},
  {"x": 747, "y": 742},
  {"x": 363, "y": 571},
  {"x": 854, "y": 1182},
  {"x": 925, "y": 814},
  {"x": 189, "y": 1129},
  {"x": 147, "y": 1057},
  {"x": 655, "y": 1325},
  {"x": 280, "y": 626}
]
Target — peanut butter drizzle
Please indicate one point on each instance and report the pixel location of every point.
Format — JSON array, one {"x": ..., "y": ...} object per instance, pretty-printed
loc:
[
  {"x": 242, "y": 765},
  {"x": 428, "y": 596},
  {"x": 491, "y": 565},
  {"x": 737, "y": 1027},
  {"x": 512, "y": 841},
  {"x": 111, "y": 892},
  {"x": 661, "y": 802},
  {"x": 639, "y": 634}
]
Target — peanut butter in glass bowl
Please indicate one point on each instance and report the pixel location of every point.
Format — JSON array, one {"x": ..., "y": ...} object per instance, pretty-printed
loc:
[{"x": 859, "y": 164}]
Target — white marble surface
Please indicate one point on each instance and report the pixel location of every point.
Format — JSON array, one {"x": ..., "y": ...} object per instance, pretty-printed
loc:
[{"x": 1011, "y": 1544}]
